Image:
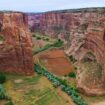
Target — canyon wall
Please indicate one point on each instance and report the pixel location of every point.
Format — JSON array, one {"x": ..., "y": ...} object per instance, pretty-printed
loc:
[
  {"x": 34, "y": 22},
  {"x": 83, "y": 31},
  {"x": 15, "y": 44}
]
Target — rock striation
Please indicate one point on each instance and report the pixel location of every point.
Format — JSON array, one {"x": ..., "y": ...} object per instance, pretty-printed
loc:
[
  {"x": 34, "y": 22},
  {"x": 15, "y": 44},
  {"x": 83, "y": 31}
]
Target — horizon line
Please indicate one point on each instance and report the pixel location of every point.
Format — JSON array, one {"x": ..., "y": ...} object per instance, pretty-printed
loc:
[{"x": 53, "y": 10}]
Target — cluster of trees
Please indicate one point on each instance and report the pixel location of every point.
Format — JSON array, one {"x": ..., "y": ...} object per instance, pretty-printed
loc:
[
  {"x": 72, "y": 74},
  {"x": 72, "y": 59},
  {"x": 58, "y": 43},
  {"x": 38, "y": 37},
  {"x": 71, "y": 91},
  {"x": 3, "y": 93}
]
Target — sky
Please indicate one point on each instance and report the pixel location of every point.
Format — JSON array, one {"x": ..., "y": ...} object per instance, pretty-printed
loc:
[{"x": 48, "y": 5}]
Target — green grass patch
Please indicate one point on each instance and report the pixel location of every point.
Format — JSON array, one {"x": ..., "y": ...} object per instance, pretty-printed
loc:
[
  {"x": 39, "y": 36},
  {"x": 1, "y": 38},
  {"x": 32, "y": 90},
  {"x": 72, "y": 75},
  {"x": 3, "y": 94},
  {"x": 9, "y": 103},
  {"x": 27, "y": 81},
  {"x": 56, "y": 44}
]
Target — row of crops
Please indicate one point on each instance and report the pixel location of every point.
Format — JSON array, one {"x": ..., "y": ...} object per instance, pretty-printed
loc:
[{"x": 58, "y": 82}]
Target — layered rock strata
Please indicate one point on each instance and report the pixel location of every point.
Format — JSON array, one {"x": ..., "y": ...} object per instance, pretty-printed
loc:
[
  {"x": 83, "y": 31},
  {"x": 15, "y": 44}
]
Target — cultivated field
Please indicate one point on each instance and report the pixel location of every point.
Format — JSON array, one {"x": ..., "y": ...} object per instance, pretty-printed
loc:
[
  {"x": 55, "y": 61},
  {"x": 34, "y": 90}
]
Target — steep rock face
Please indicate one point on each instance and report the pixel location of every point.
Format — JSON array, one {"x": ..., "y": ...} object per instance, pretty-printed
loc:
[
  {"x": 84, "y": 34},
  {"x": 88, "y": 47},
  {"x": 15, "y": 44},
  {"x": 34, "y": 21}
]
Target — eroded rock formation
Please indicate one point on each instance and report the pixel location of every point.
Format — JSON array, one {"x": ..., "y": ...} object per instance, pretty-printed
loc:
[
  {"x": 84, "y": 33},
  {"x": 15, "y": 44},
  {"x": 34, "y": 21}
]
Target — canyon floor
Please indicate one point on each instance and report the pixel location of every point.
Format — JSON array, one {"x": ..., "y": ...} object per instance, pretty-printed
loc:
[
  {"x": 37, "y": 89},
  {"x": 55, "y": 61},
  {"x": 58, "y": 63},
  {"x": 33, "y": 91}
]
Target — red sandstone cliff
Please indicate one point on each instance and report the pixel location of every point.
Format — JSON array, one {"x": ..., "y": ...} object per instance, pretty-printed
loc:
[
  {"x": 15, "y": 44},
  {"x": 34, "y": 21},
  {"x": 84, "y": 33}
]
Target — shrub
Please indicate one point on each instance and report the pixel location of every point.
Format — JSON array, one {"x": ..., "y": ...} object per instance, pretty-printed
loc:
[
  {"x": 2, "y": 78},
  {"x": 75, "y": 68},
  {"x": 3, "y": 94},
  {"x": 59, "y": 40},
  {"x": 38, "y": 38},
  {"x": 1, "y": 38},
  {"x": 58, "y": 43},
  {"x": 72, "y": 74},
  {"x": 47, "y": 39},
  {"x": 9, "y": 103},
  {"x": 72, "y": 59},
  {"x": 34, "y": 35}
]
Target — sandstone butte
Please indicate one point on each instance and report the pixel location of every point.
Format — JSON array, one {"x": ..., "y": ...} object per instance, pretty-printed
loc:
[
  {"x": 15, "y": 44},
  {"x": 83, "y": 31}
]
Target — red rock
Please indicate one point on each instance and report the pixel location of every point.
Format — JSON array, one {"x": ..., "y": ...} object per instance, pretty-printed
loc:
[
  {"x": 15, "y": 44},
  {"x": 83, "y": 31},
  {"x": 34, "y": 21}
]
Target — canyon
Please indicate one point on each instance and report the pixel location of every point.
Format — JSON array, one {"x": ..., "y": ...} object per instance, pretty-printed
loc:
[
  {"x": 83, "y": 31},
  {"x": 55, "y": 57},
  {"x": 15, "y": 44}
]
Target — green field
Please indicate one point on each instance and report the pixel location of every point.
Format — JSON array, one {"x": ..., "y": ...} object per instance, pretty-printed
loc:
[{"x": 34, "y": 90}]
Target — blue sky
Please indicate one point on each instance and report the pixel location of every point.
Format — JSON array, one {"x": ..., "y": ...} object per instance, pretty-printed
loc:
[{"x": 47, "y": 5}]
